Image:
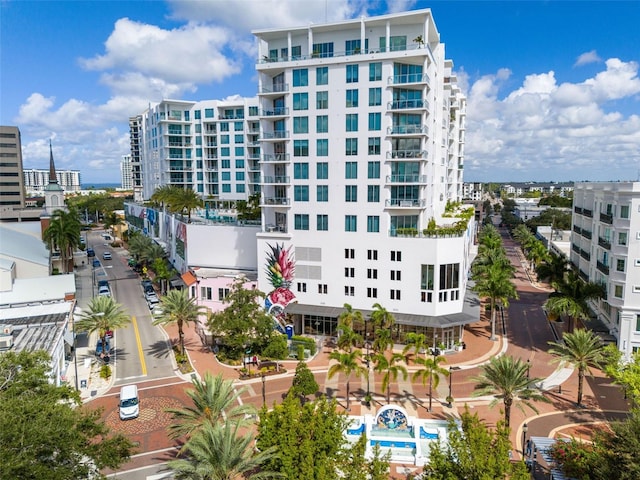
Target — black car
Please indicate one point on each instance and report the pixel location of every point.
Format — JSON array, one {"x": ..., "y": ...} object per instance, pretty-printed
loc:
[
  {"x": 90, "y": 252},
  {"x": 103, "y": 283}
]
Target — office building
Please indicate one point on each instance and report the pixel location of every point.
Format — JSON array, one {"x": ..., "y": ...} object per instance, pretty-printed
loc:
[
  {"x": 136, "y": 167},
  {"x": 35, "y": 180},
  {"x": 605, "y": 247},
  {"x": 362, "y": 151},
  {"x": 126, "y": 173},
  {"x": 11, "y": 182},
  {"x": 210, "y": 146}
]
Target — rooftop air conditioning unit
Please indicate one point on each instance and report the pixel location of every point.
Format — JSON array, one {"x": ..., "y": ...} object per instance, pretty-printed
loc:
[
  {"x": 6, "y": 342},
  {"x": 7, "y": 329}
]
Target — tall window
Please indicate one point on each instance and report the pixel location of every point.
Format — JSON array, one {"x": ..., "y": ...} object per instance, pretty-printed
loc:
[
  {"x": 322, "y": 100},
  {"x": 322, "y": 170},
  {"x": 322, "y": 75},
  {"x": 322, "y": 193},
  {"x": 322, "y": 147},
  {"x": 375, "y": 71},
  {"x": 352, "y": 73},
  {"x": 301, "y": 148},
  {"x": 351, "y": 170},
  {"x": 373, "y": 193},
  {"x": 373, "y": 224},
  {"x": 322, "y": 222},
  {"x": 322, "y": 124},
  {"x": 373, "y": 169},
  {"x": 301, "y": 77},
  {"x": 301, "y": 222},
  {"x": 374, "y": 146},
  {"x": 301, "y": 171},
  {"x": 301, "y": 101},
  {"x": 449, "y": 276},
  {"x": 351, "y": 146},
  {"x": 375, "y": 121},
  {"x": 300, "y": 124},
  {"x": 375, "y": 96},
  {"x": 351, "y": 193},
  {"x": 323, "y": 50},
  {"x": 352, "y": 122},
  {"x": 301, "y": 193},
  {"x": 350, "y": 223},
  {"x": 352, "y": 98}
]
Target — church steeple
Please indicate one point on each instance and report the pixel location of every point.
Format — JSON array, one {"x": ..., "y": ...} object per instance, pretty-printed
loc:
[
  {"x": 53, "y": 178},
  {"x": 53, "y": 192}
]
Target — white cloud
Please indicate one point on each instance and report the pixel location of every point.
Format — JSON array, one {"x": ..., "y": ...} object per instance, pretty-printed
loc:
[{"x": 586, "y": 58}]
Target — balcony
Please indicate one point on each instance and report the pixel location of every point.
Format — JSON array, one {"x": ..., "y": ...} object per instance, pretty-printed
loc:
[
  {"x": 587, "y": 213},
  {"x": 587, "y": 234},
  {"x": 276, "y": 201},
  {"x": 583, "y": 276},
  {"x": 276, "y": 88},
  {"x": 408, "y": 104},
  {"x": 231, "y": 116},
  {"x": 407, "y": 154},
  {"x": 604, "y": 243},
  {"x": 405, "y": 203},
  {"x": 276, "y": 179},
  {"x": 602, "y": 267},
  {"x": 406, "y": 179},
  {"x": 586, "y": 255},
  {"x": 277, "y": 135},
  {"x": 276, "y": 157},
  {"x": 578, "y": 210},
  {"x": 274, "y": 112},
  {"x": 409, "y": 78},
  {"x": 408, "y": 130},
  {"x": 606, "y": 218},
  {"x": 577, "y": 229},
  {"x": 575, "y": 248}
]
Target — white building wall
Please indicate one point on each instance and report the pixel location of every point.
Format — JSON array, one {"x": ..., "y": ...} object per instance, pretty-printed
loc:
[
  {"x": 126, "y": 174},
  {"x": 36, "y": 179}
]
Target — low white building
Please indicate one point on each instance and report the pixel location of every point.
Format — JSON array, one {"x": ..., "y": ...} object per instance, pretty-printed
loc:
[{"x": 605, "y": 247}]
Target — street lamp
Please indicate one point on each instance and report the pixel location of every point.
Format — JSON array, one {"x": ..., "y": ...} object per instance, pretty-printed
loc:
[
  {"x": 367, "y": 361},
  {"x": 264, "y": 390},
  {"x": 525, "y": 428},
  {"x": 450, "y": 397},
  {"x": 435, "y": 352},
  {"x": 528, "y": 367}
]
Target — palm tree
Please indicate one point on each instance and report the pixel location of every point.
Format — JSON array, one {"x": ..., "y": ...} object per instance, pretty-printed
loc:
[
  {"x": 582, "y": 349},
  {"x": 489, "y": 238},
  {"x": 505, "y": 378},
  {"x": 215, "y": 400},
  {"x": 382, "y": 341},
  {"x": 63, "y": 233},
  {"x": 348, "y": 339},
  {"x": 351, "y": 318},
  {"x": 185, "y": 201},
  {"x": 382, "y": 318},
  {"x": 494, "y": 282},
  {"x": 163, "y": 196},
  {"x": 415, "y": 344},
  {"x": 178, "y": 308},
  {"x": 347, "y": 363},
  {"x": 103, "y": 315},
  {"x": 390, "y": 368},
  {"x": 553, "y": 269},
  {"x": 220, "y": 452},
  {"x": 431, "y": 370},
  {"x": 112, "y": 220},
  {"x": 571, "y": 298}
]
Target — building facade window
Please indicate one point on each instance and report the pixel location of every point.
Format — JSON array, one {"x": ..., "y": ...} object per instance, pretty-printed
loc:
[
  {"x": 351, "y": 122},
  {"x": 373, "y": 169},
  {"x": 622, "y": 238},
  {"x": 375, "y": 96},
  {"x": 373, "y": 193},
  {"x": 300, "y": 124},
  {"x": 322, "y": 147},
  {"x": 301, "y": 193},
  {"x": 372, "y": 254},
  {"x": 351, "y": 193},
  {"x": 372, "y": 292},
  {"x": 375, "y": 71},
  {"x": 301, "y": 221},
  {"x": 322, "y": 170},
  {"x": 301, "y": 171},
  {"x": 351, "y": 170},
  {"x": 349, "y": 253},
  {"x": 322, "y": 223},
  {"x": 375, "y": 121},
  {"x": 352, "y": 73},
  {"x": 373, "y": 146},
  {"x": 352, "y": 98},
  {"x": 301, "y": 148},
  {"x": 322, "y": 75},
  {"x": 372, "y": 273},
  {"x": 301, "y": 101},
  {"x": 300, "y": 77},
  {"x": 373, "y": 224},
  {"x": 618, "y": 291},
  {"x": 322, "y": 193},
  {"x": 394, "y": 294},
  {"x": 322, "y": 124},
  {"x": 349, "y": 272},
  {"x": 322, "y": 100},
  {"x": 396, "y": 256},
  {"x": 351, "y": 146},
  {"x": 350, "y": 223}
]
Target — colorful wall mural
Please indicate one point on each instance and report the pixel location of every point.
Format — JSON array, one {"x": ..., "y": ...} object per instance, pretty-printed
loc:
[{"x": 280, "y": 270}]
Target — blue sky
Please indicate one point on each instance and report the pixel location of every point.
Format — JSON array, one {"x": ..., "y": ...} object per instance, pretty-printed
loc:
[{"x": 553, "y": 87}]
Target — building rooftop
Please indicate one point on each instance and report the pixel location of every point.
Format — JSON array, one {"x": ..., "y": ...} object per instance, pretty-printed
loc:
[
  {"x": 22, "y": 240},
  {"x": 41, "y": 289}
]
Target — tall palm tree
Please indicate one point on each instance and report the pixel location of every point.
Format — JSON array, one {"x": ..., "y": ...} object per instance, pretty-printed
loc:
[
  {"x": 390, "y": 367},
  {"x": 185, "y": 201},
  {"x": 63, "y": 233},
  {"x": 103, "y": 315},
  {"x": 582, "y": 349},
  {"x": 382, "y": 318},
  {"x": 214, "y": 400},
  {"x": 431, "y": 370},
  {"x": 348, "y": 338},
  {"x": 163, "y": 196},
  {"x": 505, "y": 378},
  {"x": 553, "y": 269},
  {"x": 351, "y": 318},
  {"x": 571, "y": 298},
  {"x": 348, "y": 364},
  {"x": 382, "y": 341},
  {"x": 178, "y": 308},
  {"x": 220, "y": 452},
  {"x": 112, "y": 220},
  {"x": 489, "y": 238},
  {"x": 495, "y": 283}
]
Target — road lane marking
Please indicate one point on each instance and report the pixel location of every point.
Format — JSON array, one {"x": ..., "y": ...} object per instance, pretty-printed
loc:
[{"x": 143, "y": 365}]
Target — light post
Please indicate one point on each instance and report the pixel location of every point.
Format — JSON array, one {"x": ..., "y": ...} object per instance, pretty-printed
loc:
[
  {"x": 435, "y": 352},
  {"x": 450, "y": 397},
  {"x": 264, "y": 390},
  {"x": 525, "y": 428},
  {"x": 75, "y": 352},
  {"x": 367, "y": 360},
  {"x": 528, "y": 367}
]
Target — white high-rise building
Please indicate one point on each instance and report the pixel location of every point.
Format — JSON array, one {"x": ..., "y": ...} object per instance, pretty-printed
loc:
[
  {"x": 126, "y": 173},
  {"x": 35, "y": 180},
  {"x": 605, "y": 247},
  {"x": 362, "y": 143},
  {"x": 210, "y": 146}
]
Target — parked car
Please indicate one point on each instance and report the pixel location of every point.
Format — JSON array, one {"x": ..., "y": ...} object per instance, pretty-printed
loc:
[
  {"x": 96, "y": 263},
  {"x": 103, "y": 283},
  {"x": 99, "y": 348},
  {"x": 106, "y": 256},
  {"x": 153, "y": 301},
  {"x": 157, "y": 310},
  {"x": 151, "y": 297},
  {"x": 147, "y": 287},
  {"x": 91, "y": 252},
  {"x": 104, "y": 291}
]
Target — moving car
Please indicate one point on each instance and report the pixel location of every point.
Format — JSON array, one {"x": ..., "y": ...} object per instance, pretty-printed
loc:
[
  {"x": 103, "y": 283},
  {"x": 129, "y": 402},
  {"x": 96, "y": 262},
  {"x": 106, "y": 256},
  {"x": 91, "y": 252},
  {"x": 104, "y": 291}
]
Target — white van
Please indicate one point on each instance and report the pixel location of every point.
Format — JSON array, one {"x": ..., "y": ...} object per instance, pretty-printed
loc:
[{"x": 129, "y": 403}]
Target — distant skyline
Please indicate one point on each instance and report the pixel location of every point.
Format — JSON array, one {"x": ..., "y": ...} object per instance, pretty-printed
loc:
[{"x": 552, "y": 87}]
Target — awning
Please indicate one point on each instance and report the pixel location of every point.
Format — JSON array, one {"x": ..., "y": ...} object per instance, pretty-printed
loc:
[
  {"x": 470, "y": 313},
  {"x": 176, "y": 282},
  {"x": 189, "y": 278}
]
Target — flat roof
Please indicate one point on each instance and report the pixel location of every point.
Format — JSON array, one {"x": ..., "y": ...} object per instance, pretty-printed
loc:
[{"x": 41, "y": 289}]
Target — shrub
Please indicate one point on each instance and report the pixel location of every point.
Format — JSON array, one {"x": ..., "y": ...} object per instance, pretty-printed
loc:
[
  {"x": 105, "y": 372},
  {"x": 276, "y": 348},
  {"x": 309, "y": 343}
]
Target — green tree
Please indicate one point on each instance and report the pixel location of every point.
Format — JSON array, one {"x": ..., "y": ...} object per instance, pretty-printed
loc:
[
  {"x": 63, "y": 234},
  {"x": 390, "y": 367},
  {"x": 382, "y": 318},
  {"x": 43, "y": 431},
  {"x": 474, "y": 452},
  {"x": 571, "y": 298},
  {"x": 162, "y": 272},
  {"x": 356, "y": 466},
  {"x": 112, "y": 219},
  {"x": 249, "y": 210},
  {"x": 495, "y": 282},
  {"x": 103, "y": 314},
  {"x": 351, "y": 318},
  {"x": 553, "y": 269},
  {"x": 178, "y": 308},
  {"x": 505, "y": 378},
  {"x": 581, "y": 349},
  {"x": 625, "y": 374},
  {"x": 348, "y": 338},
  {"x": 215, "y": 400},
  {"x": 220, "y": 452},
  {"x": 431, "y": 370},
  {"x": 244, "y": 322},
  {"x": 185, "y": 201},
  {"x": 304, "y": 383},
  {"x": 309, "y": 438},
  {"x": 348, "y": 364}
]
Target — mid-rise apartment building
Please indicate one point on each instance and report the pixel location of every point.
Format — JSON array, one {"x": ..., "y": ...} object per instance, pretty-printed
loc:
[
  {"x": 605, "y": 247},
  {"x": 35, "y": 180},
  {"x": 210, "y": 146},
  {"x": 362, "y": 150},
  {"x": 136, "y": 166},
  {"x": 126, "y": 173},
  {"x": 11, "y": 181}
]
